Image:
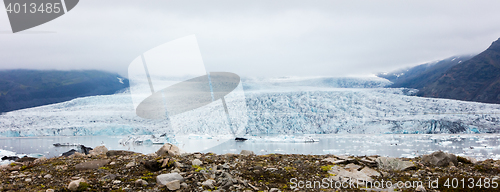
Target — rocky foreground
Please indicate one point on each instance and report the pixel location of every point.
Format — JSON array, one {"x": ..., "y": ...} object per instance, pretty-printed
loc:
[{"x": 169, "y": 170}]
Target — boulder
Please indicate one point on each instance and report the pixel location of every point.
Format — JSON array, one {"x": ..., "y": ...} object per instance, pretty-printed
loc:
[
  {"x": 389, "y": 163},
  {"x": 91, "y": 164},
  {"x": 440, "y": 159},
  {"x": 119, "y": 153},
  {"x": 163, "y": 179},
  {"x": 246, "y": 152},
  {"x": 99, "y": 150},
  {"x": 169, "y": 150}
]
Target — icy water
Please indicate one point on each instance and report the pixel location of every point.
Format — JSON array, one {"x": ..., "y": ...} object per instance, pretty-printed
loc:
[{"x": 480, "y": 146}]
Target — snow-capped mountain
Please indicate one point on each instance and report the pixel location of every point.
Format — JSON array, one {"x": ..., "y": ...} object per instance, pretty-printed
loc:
[{"x": 285, "y": 105}]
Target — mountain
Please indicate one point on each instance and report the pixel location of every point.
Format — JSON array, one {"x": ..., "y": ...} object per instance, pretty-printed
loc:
[
  {"x": 419, "y": 76},
  {"x": 21, "y": 89},
  {"x": 477, "y": 79}
]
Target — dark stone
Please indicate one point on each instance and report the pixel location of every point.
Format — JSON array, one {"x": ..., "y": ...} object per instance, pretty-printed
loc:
[
  {"x": 10, "y": 158},
  {"x": 152, "y": 165},
  {"x": 80, "y": 149},
  {"x": 240, "y": 139},
  {"x": 83, "y": 149},
  {"x": 68, "y": 153}
]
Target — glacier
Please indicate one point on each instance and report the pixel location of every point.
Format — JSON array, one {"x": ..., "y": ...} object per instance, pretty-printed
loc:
[{"x": 289, "y": 105}]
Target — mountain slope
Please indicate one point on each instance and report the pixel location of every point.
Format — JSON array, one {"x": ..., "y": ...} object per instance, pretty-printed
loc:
[
  {"x": 21, "y": 89},
  {"x": 419, "y": 76},
  {"x": 477, "y": 79}
]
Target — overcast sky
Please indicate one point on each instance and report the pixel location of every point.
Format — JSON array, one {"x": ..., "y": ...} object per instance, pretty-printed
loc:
[{"x": 258, "y": 38}]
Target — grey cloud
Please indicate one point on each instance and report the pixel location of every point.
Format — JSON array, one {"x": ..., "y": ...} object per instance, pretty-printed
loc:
[{"x": 259, "y": 38}]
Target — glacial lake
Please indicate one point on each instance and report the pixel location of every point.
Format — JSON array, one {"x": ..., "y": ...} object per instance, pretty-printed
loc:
[{"x": 480, "y": 146}]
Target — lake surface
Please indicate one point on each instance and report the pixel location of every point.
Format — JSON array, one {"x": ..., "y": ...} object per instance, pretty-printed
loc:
[{"x": 480, "y": 146}]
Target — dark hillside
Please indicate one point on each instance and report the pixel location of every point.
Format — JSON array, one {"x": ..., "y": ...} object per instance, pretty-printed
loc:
[
  {"x": 21, "y": 89},
  {"x": 477, "y": 79}
]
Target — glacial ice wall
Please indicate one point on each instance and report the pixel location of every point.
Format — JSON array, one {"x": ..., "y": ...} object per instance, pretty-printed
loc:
[{"x": 301, "y": 108}]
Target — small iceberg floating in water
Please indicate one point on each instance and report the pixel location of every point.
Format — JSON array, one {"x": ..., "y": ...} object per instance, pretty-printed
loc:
[
  {"x": 66, "y": 144},
  {"x": 147, "y": 140}
]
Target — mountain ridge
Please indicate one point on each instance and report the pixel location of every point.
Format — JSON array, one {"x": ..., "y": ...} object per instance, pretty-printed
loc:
[
  {"x": 25, "y": 88},
  {"x": 477, "y": 79}
]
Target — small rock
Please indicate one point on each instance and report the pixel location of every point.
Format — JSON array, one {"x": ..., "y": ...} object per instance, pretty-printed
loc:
[
  {"x": 173, "y": 185},
  {"x": 48, "y": 176},
  {"x": 178, "y": 165},
  {"x": 208, "y": 183},
  {"x": 274, "y": 190},
  {"x": 165, "y": 178},
  {"x": 184, "y": 185},
  {"x": 196, "y": 162},
  {"x": 329, "y": 160},
  {"x": 112, "y": 163},
  {"x": 131, "y": 164},
  {"x": 117, "y": 182},
  {"x": 165, "y": 163},
  {"x": 246, "y": 152},
  {"x": 108, "y": 177},
  {"x": 140, "y": 183},
  {"x": 420, "y": 188},
  {"x": 197, "y": 155},
  {"x": 75, "y": 178},
  {"x": 49, "y": 190},
  {"x": 28, "y": 180},
  {"x": 73, "y": 185}
]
